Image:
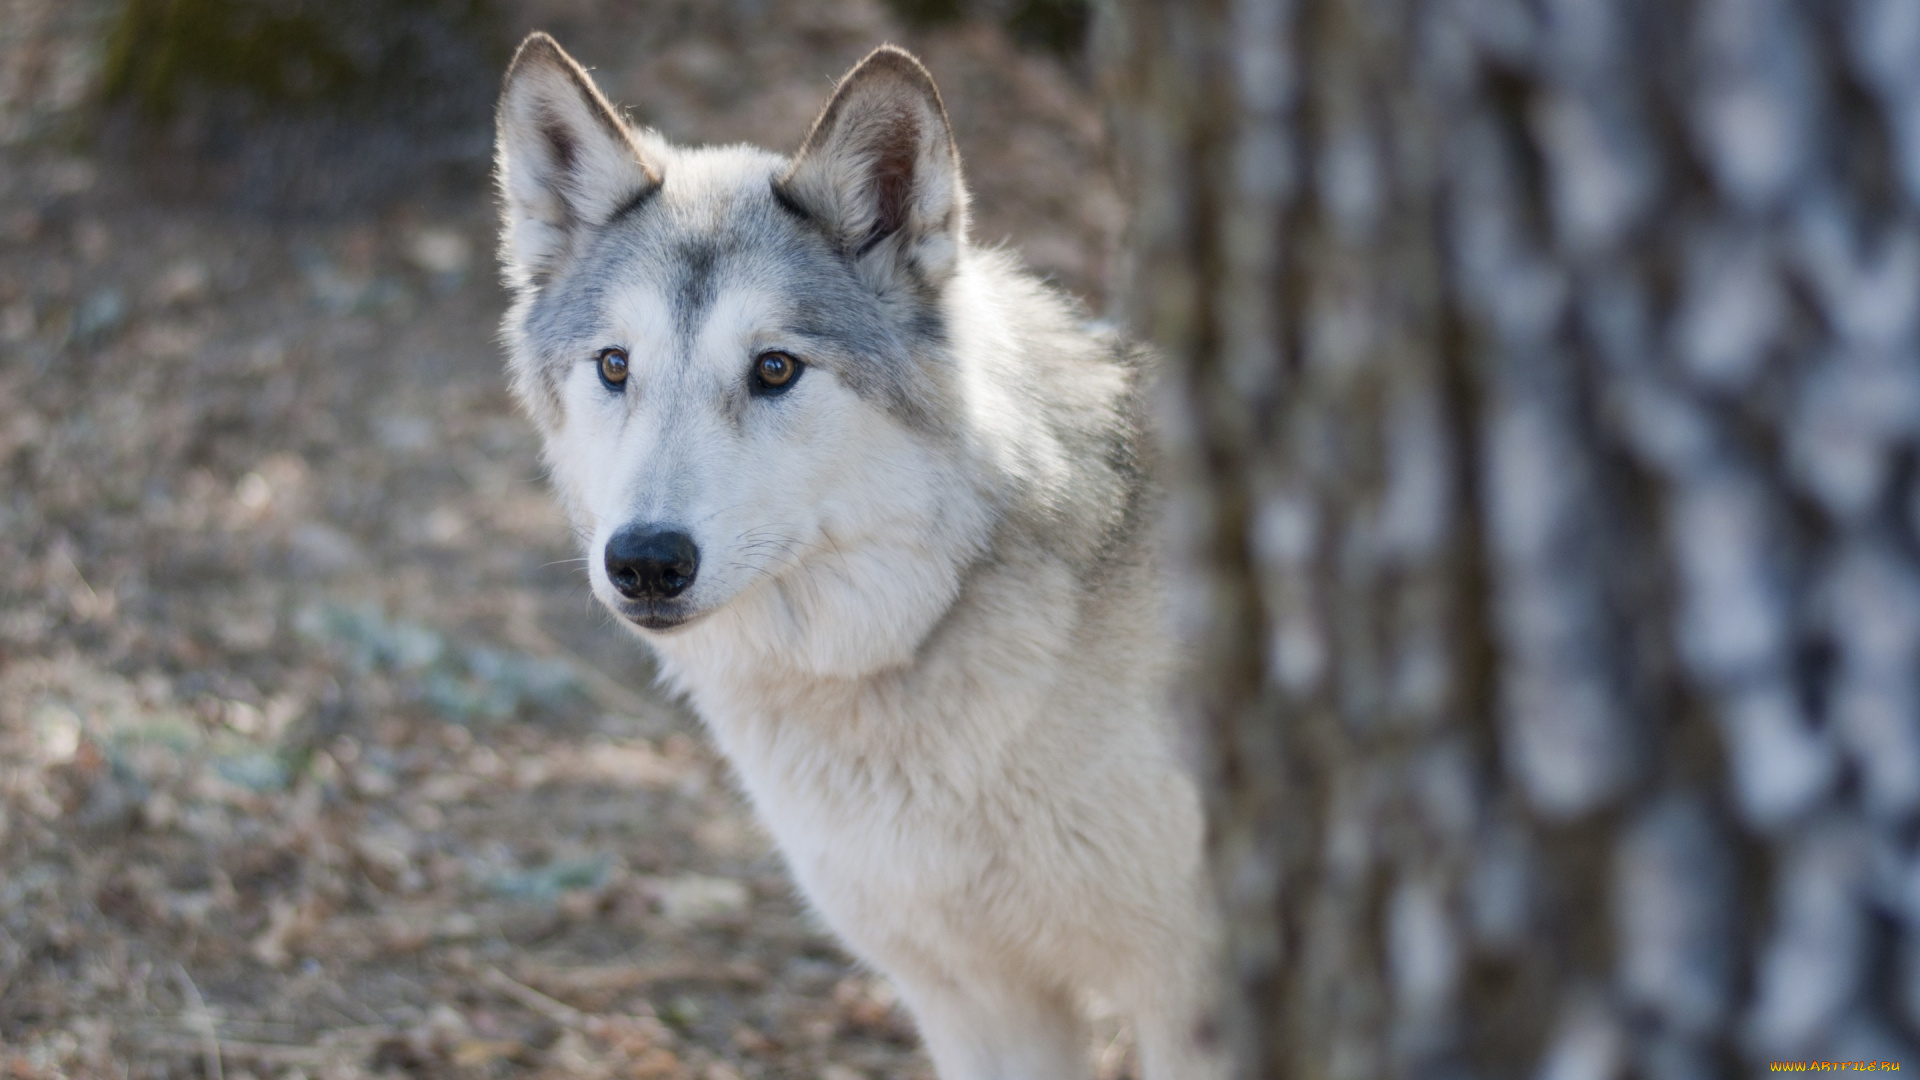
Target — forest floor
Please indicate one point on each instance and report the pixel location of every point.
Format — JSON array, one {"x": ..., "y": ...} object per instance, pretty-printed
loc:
[{"x": 316, "y": 759}]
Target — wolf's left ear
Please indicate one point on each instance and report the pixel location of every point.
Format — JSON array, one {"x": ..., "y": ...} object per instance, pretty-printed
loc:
[
  {"x": 880, "y": 170},
  {"x": 565, "y": 161}
]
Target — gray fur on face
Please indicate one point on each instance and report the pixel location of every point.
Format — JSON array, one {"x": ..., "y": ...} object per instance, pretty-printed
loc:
[{"x": 715, "y": 224}]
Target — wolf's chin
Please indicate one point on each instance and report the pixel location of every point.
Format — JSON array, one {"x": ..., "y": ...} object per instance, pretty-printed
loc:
[{"x": 656, "y": 618}]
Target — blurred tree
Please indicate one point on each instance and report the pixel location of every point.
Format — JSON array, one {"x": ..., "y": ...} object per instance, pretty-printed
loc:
[
  {"x": 303, "y": 104},
  {"x": 1544, "y": 382}
]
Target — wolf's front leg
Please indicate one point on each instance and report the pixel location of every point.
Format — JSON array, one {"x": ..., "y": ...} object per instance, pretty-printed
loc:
[
  {"x": 1174, "y": 1049},
  {"x": 988, "y": 1033},
  {"x": 1174, "y": 1029}
]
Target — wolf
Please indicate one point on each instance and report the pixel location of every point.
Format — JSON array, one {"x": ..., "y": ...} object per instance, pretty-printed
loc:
[{"x": 886, "y": 511}]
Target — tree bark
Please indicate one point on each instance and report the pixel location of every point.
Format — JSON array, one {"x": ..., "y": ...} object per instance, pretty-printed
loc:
[{"x": 1544, "y": 400}]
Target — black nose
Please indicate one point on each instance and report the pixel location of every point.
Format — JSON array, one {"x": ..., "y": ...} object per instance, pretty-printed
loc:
[{"x": 651, "y": 562}]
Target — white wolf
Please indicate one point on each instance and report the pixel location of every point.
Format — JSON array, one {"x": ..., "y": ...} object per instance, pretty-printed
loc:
[{"x": 883, "y": 508}]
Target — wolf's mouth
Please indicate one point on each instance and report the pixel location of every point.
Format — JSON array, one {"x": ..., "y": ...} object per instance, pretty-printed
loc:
[{"x": 654, "y": 615}]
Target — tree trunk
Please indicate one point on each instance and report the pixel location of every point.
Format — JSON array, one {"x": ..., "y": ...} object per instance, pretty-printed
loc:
[{"x": 1543, "y": 386}]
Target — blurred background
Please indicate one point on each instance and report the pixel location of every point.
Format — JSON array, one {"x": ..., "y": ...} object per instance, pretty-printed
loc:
[{"x": 316, "y": 760}]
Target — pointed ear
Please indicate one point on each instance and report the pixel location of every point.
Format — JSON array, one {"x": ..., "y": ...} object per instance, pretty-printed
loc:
[
  {"x": 565, "y": 162},
  {"x": 880, "y": 171}
]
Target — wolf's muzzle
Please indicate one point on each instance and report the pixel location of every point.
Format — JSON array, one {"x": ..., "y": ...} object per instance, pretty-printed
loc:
[{"x": 651, "y": 562}]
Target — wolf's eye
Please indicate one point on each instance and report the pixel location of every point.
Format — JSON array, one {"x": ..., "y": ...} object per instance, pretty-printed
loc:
[
  {"x": 613, "y": 367},
  {"x": 773, "y": 372}
]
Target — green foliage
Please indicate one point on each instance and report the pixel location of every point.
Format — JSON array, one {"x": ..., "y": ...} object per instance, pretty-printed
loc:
[
  {"x": 924, "y": 13},
  {"x": 463, "y": 683},
  {"x": 1056, "y": 25},
  {"x": 284, "y": 53},
  {"x": 549, "y": 881},
  {"x": 301, "y": 106},
  {"x": 278, "y": 55}
]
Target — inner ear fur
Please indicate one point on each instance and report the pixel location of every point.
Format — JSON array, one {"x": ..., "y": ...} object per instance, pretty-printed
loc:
[
  {"x": 879, "y": 170},
  {"x": 564, "y": 159}
]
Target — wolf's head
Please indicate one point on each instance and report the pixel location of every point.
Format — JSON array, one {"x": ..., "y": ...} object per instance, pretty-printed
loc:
[{"x": 741, "y": 363}]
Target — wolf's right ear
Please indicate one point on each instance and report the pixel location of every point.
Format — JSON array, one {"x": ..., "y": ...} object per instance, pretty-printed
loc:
[{"x": 564, "y": 160}]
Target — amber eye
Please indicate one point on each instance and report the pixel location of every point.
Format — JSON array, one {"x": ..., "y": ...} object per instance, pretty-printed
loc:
[
  {"x": 613, "y": 367},
  {"x": 774, "y": 372}
]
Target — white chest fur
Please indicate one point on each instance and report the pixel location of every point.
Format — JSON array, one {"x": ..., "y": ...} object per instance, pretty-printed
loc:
[{"x": 1000, "y": 795}]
